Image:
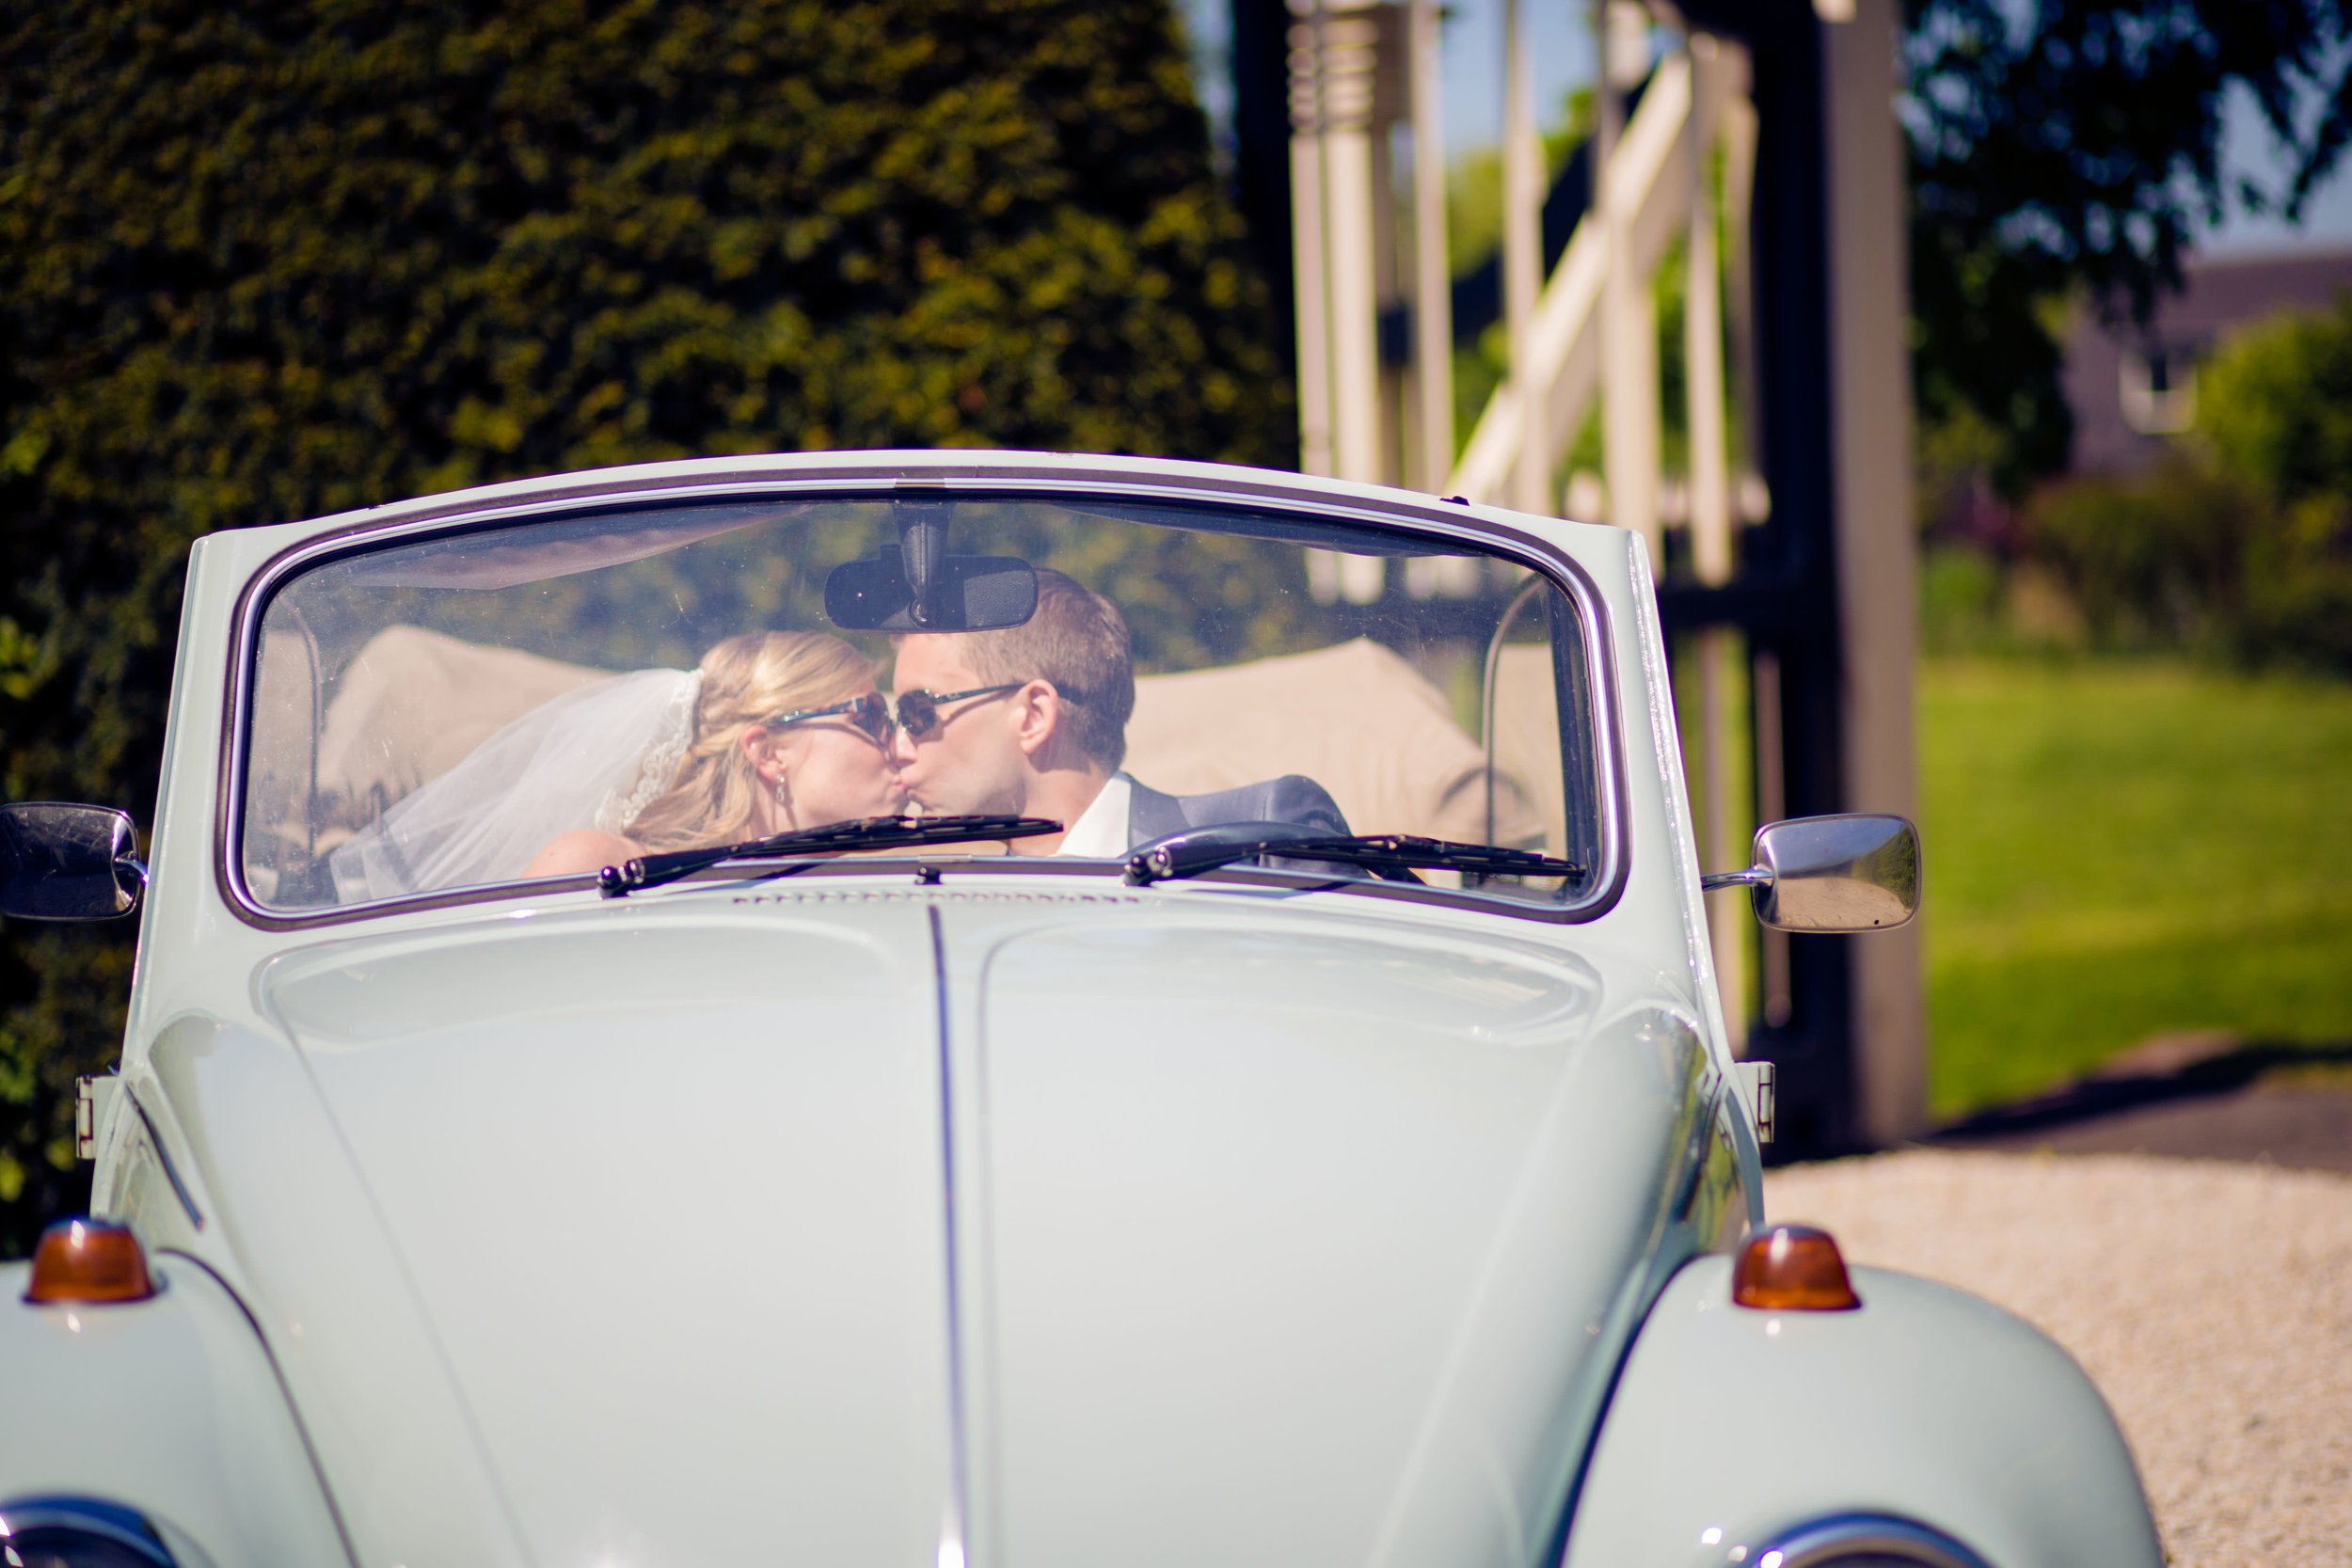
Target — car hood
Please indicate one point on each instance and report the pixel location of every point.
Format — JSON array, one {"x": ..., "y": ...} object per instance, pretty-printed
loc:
[{"x": 1054, "y": 1232}]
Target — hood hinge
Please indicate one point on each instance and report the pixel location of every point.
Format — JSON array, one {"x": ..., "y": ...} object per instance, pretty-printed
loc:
[
  {"x": 91, "y": 1096},
  {"x": 1757, "y": 1083}
]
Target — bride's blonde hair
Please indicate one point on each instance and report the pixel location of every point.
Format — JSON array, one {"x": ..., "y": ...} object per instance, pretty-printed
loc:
[{"x": 746, "y": 681}]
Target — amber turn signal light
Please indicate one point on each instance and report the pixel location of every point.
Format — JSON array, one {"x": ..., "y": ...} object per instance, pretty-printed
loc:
[
  {"x": 88, "y": 1261},
  {"x": 1793, "y": 1268}
]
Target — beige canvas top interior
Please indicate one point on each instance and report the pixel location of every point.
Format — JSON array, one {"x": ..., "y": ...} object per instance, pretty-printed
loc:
[{"x": 1356, "y": 717}]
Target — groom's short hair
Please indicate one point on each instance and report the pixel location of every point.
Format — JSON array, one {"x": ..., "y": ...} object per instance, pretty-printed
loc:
[{"x": 1078, "y": 641}]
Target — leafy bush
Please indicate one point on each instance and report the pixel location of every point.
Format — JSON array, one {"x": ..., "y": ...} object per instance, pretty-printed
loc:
[
  {"x": 2241, "y": 542},
  {"x": 260, "y": 262},
  {"x": 1960, "y": 601},
  {"x": 2275, "y": 410},
  {"x": 2152, "y": 561},
  {"x": 2298, "y": 595}
]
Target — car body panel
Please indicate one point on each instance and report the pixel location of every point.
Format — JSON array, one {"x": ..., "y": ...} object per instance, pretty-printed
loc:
[
  {"x": 173, "y": 1395},
  {"x": 738, "y": 1120},
  {"x": 1927, "y": 1403},
  {"x": 1351, "y": 1024},
  {"x": 1191, "y": 1198},
  {"x": 291, "y": 1227}
]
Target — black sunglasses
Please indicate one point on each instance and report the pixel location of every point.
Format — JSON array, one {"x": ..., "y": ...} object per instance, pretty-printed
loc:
[
  {"x": 918, "y": 710},
  {"x": 869, "y": 715}
]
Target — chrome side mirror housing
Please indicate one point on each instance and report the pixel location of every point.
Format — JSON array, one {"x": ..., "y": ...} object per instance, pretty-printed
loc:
[
  {"x": 1857, "y": 872},
  {"x": 60, "y": 861}
]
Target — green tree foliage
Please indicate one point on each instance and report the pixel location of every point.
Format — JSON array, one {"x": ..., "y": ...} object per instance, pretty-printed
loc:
[
  {"x": 260, "y": 262},
  {"x": 2076, "y": 145},
  {"x": 2242, "y": 541},
  {"x": 1473, "y": 184},
  {"x": 2275, "y": 409}
]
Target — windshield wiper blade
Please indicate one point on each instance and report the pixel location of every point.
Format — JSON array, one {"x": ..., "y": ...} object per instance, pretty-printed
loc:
[
  {"x": 866, "y": 832},
  {"x": 1377, "y": 852}
]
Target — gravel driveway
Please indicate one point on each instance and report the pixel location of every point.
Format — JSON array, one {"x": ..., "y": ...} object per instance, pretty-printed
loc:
[{"x": 2211, "y": 1302}]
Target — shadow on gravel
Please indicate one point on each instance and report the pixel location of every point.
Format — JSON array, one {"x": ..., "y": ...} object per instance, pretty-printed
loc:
[{"x": 2152, "y": 1076}]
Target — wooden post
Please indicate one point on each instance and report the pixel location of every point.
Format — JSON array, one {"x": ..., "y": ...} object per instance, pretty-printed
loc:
[{"x": 1876, "y": 548}]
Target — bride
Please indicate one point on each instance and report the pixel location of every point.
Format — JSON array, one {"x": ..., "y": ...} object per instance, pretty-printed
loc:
[
  {"x": 789, "y": 732},
  {"x": 774, "y": 731}
]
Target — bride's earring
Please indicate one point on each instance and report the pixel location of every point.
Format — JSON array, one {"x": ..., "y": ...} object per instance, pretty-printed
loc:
[{"x": 784, "y": 800}]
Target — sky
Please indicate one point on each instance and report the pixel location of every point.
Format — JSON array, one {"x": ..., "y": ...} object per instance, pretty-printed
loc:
[
  {"x": 2326, "y": 222},
  {"x": 1561, "y": 48}
]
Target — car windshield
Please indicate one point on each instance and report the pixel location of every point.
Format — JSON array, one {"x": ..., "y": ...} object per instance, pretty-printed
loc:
[{"x": 481, "y": 708}]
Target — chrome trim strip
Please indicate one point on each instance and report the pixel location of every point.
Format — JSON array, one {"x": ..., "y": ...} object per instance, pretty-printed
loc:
[
  {"x": 285, "y": 1391},
  {"x": 1821, "y": 1541},
  {"x": 953, "y": 1548},
  {"x": 163, "y": 1158},
  {"x": 1432, "y": 519}
]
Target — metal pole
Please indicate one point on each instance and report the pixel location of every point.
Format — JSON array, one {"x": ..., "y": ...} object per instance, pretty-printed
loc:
[
  {"x": 1522, "y": 260},
  {"x": 1737, "y": 138},
  {"x": 1703, "y": 336},
  {"x": 1629, "y": 411},
  {"x": 1710, "y": 533},
  {"x": 1798, "y": 677},
  {"x": 1348, "y": 39},
  {"x": 1433, "y": 287},
  {"x": 1307, "y": 237}
]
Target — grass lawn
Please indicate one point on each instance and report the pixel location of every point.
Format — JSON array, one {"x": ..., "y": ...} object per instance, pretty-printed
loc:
[{"x": 2116, "y": 850}]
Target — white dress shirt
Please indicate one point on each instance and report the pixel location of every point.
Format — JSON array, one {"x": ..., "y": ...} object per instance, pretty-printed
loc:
[{"x": 1101, "y": 831}]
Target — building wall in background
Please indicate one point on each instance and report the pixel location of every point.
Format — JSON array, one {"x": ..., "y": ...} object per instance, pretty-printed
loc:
[{"x": 2132, "y": 389}]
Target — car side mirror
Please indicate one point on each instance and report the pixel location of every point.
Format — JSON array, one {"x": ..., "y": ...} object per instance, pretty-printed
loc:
[
  {"x": 60, "y": 861},
  {"x": 1857, "y": 872}
]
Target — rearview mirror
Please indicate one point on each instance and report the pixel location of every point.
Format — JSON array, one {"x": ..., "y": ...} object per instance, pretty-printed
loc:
[
  {"x": 1857, "y": 873},
  {"x": 60, "y": 861},
  {"x": 965, "y": 593}
]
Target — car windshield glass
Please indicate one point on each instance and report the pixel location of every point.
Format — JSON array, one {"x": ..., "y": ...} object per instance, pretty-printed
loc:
[{"x": 495, "y": 706}]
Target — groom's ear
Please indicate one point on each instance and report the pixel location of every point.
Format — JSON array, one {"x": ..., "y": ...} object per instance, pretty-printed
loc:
[{"x": 1036, "y": 715}]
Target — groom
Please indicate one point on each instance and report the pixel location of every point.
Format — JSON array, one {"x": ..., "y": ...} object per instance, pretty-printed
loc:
[{"x": 1032, "y": 721}]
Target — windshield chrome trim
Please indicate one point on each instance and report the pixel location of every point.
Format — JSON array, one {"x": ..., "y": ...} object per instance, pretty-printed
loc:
[{"x": 729, "y": 479}]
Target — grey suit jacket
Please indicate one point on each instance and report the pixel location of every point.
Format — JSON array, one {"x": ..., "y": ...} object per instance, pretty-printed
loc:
[{"x": 1292, "y": 798}]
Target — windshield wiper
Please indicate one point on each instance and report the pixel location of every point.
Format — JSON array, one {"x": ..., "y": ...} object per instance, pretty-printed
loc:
[
  {"x": 867, "y": 832},
  {"x": 1393, "y": 855}
]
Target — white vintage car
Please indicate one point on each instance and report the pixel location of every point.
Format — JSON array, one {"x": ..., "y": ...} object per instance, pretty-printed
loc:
[{"x": 1329, "y": 1154}]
